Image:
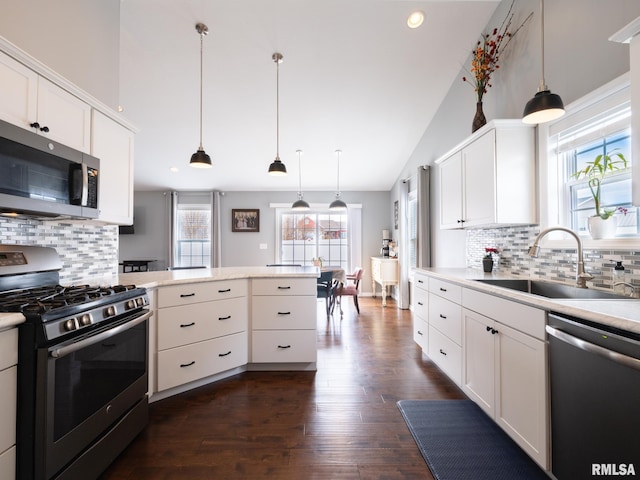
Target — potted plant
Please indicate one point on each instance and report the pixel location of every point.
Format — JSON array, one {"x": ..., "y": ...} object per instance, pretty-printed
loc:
[{"x": 603, "y": 224}]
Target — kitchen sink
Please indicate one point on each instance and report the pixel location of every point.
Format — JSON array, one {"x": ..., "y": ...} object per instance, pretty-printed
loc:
[{"x": 552, "y": 289}]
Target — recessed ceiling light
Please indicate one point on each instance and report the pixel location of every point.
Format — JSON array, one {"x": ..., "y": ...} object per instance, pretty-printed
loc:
[
  {"x": 173, "y": 169},
  {"x": 415, "y": 19}
]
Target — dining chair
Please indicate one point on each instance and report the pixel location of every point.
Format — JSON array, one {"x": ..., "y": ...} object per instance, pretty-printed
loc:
[
  {"x": 350, "y": 289},
  {"x": 325, "y": 289}
]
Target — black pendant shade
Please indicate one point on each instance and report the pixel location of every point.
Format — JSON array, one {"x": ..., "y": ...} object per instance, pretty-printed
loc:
[
  {"x": 200, "y": 159},
  {"x": 543, "y": 107},
  {"x": 277, "y": 168}
]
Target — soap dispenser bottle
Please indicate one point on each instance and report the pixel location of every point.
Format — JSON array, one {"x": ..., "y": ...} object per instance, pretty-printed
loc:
[{"x": 618, "y": 278}]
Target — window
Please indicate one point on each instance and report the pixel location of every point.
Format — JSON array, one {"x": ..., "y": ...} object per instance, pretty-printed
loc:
[
  {"x": 599, "y": 123},
  {"x": 615, "y": 190},
  {"x": 412, "y": 224},
  {"x": 308, "y": 235},
  {"x": 319, "y": 232},
  {"x": 192, "y": 229}
]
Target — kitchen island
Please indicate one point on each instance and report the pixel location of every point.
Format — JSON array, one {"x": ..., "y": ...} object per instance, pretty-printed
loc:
[{"x": 212, "y": 323}]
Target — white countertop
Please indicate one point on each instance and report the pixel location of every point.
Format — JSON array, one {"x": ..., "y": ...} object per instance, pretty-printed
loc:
[
  {"x": 175, "y": 277},
  {"x": 622, "y": 314}
]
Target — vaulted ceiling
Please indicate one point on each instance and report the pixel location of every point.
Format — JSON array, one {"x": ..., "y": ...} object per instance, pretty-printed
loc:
[{"x": 354, "y": 77}]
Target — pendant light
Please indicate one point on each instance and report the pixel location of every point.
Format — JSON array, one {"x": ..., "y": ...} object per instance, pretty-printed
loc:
[
  {"x": 200, "y": 159},
  {"x": 338, "y": 204},
  {"x": 277, "y": 168},
  {"x": 544, "y": 106},
  {"x": 300, "y": 204}
]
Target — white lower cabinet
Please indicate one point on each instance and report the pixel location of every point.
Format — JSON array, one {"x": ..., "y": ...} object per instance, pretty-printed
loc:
[
  {"x": 445, "y": 328},
  {"x": 504, "y": 368},
  {"x": 8, "y": 395},
  {"x": 283, "y": 319},
  {"x": 420, "y": 304},
  {"x": 201, "y": 331}
]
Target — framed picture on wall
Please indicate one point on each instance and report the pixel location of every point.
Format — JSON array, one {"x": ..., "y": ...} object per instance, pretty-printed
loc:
[
  {"x": 245, "y": 220},
  {"x": 395, "y": 214}
]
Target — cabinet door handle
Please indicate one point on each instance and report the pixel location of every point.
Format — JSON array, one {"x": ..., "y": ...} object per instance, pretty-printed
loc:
[
  {"x": 284, "y": 346},
  {"x": 185, "y": 325},
  {"x": 34, "y": 125},
  {"x": 494, "y": 331},
  {"x": 224, "y": 354},
  {"x": 443, "y": 316},
  {"x": 185, "y": 295},
  {"x": 284, "y": 313},
  {"x": 224, "y": 291},
  {"x": 443, "y": 352},
  {"x": 488, "y": 328},
  {"x": 45, "y": 129},
  {"x": 284, "y": 288},
  {"x": 224, "y": 318},
  {"x": 182, "y": 365}
]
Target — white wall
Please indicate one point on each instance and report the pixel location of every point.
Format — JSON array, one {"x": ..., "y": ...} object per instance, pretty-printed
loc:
[{"x": 578, "y": 59}]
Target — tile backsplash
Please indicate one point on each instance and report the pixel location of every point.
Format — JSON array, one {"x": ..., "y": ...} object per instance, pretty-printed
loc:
[
  {"x": 552, "y": 264},
  {"x": 88, "y": 251}
]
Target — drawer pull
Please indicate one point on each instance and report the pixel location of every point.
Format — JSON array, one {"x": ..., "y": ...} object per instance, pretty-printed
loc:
[
  {"x": 443, "y": 289},
  {"x": 420, "y": 281},
  {"x": 224, "y": 354},
  {"x": 420, "y": 303},
  {"x": 284, "y": 288},
  {"x": 284, "y": 346},
  {"x": 443, "y": 352},
  {"x": 184, "y": 295},
  {"x": 420, "y": 333},
  {"x": 224, "y": 318},
  {"x": 185, "y": 325},
  {"x": 224, "y": 291},
  {"x": 443, "y": 316},
  {"x": 284, "y": 313},
  {"x": 187, "y": 364}
]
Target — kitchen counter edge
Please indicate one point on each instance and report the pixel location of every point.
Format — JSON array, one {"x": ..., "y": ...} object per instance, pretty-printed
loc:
[{"x": 621, "y": 314}]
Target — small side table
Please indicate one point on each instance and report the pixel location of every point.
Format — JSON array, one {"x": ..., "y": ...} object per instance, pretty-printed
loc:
[{"x": 384, "y": 270}]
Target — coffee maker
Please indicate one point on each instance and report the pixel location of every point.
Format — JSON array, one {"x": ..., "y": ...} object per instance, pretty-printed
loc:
[{"x": 384, "y": 251}]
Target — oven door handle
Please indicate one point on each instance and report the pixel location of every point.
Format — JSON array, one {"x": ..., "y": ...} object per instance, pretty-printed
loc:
[
  {"x": 593, "y": 348},
  {"x": 74, "y": 347}
]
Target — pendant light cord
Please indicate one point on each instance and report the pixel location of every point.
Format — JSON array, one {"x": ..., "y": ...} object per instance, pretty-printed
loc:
[
  {"x": 338, "y": 183},
  {"x": 299, "y": 175},
  {"x": 277, "y": 60},
  {"x": 201, "y": 69},
  {"x": 543, "y": 83}
]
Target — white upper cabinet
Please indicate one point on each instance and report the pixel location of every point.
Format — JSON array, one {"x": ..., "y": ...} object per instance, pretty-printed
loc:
[
  {"x": 18, "y": 92},
  {"x": 30, "y": 101},
  {"x": 113, "y": 145},
  {"x": 489, "y": 179}
]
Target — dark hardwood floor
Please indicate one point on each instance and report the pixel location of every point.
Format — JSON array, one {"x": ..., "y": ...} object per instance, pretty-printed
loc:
[{"x": 340, "y": 422}]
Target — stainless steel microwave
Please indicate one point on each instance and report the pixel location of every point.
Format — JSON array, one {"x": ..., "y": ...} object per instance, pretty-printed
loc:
[{"x": 42, "y": 178}]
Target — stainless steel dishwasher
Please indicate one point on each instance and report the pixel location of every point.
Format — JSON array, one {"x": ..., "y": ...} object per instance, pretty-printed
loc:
[{"x": 595, "y": 399}]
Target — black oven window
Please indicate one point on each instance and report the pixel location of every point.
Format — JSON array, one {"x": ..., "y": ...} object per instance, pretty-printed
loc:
[{"x": 86, "y": 381}]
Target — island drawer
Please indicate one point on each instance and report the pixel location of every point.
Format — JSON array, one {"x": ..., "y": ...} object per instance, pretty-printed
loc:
[
  {"x": 446, "y": 290},
  {"x": 183, "y": 294},
  {"x": 201, "y": 321},
  {"x": 181, "y": 365},
  {"x": 446, "y": 354},
  {"x": 446, "y": 316},
  {"x": 283, "y": 346},
  {"x": 284, "y": 286},
  {"x": 295, "y": 313}
]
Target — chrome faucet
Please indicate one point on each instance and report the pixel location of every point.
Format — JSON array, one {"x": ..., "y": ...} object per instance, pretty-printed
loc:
[{"x": 582, "y": 277}]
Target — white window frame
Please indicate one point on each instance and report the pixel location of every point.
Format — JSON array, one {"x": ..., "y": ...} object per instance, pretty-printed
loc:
[
  {"x": 550, "y": 172},
  {"x": 354, "y": 231}
]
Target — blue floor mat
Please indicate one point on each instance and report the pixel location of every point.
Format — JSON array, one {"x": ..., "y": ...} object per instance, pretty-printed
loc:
[{"x": 460, "y": 442}]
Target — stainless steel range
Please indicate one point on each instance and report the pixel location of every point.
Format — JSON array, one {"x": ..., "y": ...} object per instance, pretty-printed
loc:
[{"x": 82, "y": 367}]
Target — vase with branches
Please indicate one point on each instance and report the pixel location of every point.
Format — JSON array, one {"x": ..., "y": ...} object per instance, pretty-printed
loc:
[{"x": 485, "y": 60}]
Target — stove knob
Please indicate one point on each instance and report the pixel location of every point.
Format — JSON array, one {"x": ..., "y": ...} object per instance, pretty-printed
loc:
[
  {"x": 70, "y": 324},
  {"x": 110, "y": 311},
  {"x": 140, "y": 301},
  {"x": 130, "y": 304},
  {"x": 85, "y": 320}
]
